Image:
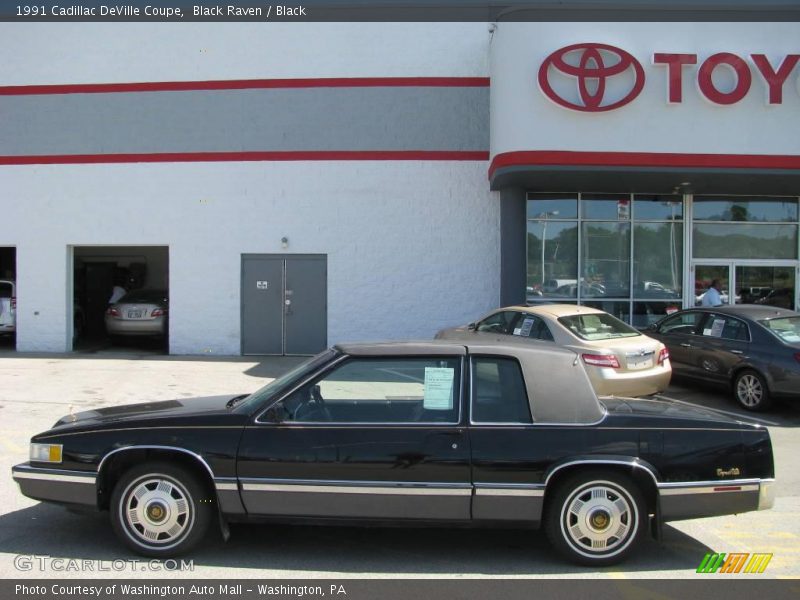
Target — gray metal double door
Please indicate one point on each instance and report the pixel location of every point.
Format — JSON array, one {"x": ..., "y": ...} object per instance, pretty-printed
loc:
[{"x": 284, "y": 303}]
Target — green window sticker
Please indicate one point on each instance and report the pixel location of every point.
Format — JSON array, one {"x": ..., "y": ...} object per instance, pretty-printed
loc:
[{"x": 438, "y": 388}]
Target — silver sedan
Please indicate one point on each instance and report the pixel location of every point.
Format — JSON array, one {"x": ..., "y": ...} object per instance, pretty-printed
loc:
[{"x": 139, "y": 312}]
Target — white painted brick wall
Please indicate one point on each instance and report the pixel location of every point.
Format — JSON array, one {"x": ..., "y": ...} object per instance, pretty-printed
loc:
[
  {"x": 412, "y": 246},
  {"x": 50, "y": 53}
]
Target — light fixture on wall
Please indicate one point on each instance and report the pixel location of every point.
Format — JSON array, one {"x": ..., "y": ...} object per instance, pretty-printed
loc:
[{"x": 284, "y": 242}]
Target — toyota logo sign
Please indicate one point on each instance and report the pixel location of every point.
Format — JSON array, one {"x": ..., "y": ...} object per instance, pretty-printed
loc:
[{"x": 592, "y": 66}]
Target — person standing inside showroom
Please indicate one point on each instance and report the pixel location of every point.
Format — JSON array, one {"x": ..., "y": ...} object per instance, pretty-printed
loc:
[{"x": 712, "y": 297}]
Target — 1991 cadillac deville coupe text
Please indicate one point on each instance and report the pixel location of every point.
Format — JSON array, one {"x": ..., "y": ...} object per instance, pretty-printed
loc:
[{"x": 506, "y": 434}]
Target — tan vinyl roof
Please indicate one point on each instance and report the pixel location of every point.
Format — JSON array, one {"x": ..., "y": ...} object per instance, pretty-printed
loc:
[{"x": 559, "y": 390}]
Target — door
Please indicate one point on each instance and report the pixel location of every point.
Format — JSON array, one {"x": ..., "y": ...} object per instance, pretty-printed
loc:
[
  {"x": 284, "y": 304},
  {"x": 305, "y": 305},
  {"x": 723, "y": 341},
  {"x": 769, "y": 285},
  {"x": 706, "y": 274},
  {"x": 373, "y": 437},
  {"x": 749, "y": 282},
  {"x": 680, "y": 334},
  {"x": 262, "y": 305}
]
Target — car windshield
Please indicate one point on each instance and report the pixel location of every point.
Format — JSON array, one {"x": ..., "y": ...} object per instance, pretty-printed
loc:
[
  {"x": 299, "y": 372},
  {"x": 786, "y": 328},
  {"x": 597, "y": 326},
  {"x": 143, "y": 296}
]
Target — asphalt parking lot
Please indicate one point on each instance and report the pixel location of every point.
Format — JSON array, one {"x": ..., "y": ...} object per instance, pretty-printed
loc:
[{"x": 36, "y": 390}]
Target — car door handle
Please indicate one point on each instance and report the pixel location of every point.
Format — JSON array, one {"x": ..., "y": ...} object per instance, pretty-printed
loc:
[
  {"x": 736, "y": 352},
  {"x": 686, "y": 345}
]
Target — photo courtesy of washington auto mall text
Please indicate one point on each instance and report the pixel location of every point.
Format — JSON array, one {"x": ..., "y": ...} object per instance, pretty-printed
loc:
[{"x": 400, "y": 299}]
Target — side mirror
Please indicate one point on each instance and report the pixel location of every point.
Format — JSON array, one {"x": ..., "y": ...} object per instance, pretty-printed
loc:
[
  {"x": 472, "y": 327},
  {"x": 652, "y": 327}
]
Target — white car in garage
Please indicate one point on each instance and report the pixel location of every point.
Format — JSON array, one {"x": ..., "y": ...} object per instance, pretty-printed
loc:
[{"x": 8, "y": 307}]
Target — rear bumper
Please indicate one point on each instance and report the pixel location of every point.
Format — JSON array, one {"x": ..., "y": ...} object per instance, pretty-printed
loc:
[
  {"x": 133, "y": 327},
  {"x": 610, "y": 382},
  {"x": 714, "y": 498},
  {"x": 56, "y": 485}
]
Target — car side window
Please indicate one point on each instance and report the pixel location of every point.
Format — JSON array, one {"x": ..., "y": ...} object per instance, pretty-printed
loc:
[
  {"x": 499, "y": 394},
  {"x": 531, "y": 326},
  {"x": 726, "y": 327},
  {"x": 499, "y": 322},
  {"x": 681, "y": 323},
  {"x": 378, "y": 390}
]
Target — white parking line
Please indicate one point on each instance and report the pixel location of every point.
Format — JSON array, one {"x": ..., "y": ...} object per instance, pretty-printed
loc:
[{"x": 738, "y": 416}]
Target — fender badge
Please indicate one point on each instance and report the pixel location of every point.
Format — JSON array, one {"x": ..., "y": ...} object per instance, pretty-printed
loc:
[{"x": 733, "y": 471}]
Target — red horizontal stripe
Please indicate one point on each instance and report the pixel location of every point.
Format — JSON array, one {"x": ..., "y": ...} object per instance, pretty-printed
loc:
[
  {"x": 243, "y": 84},
  {"x": 643, "y": 159},
  {"x": 66, "y": 159}
]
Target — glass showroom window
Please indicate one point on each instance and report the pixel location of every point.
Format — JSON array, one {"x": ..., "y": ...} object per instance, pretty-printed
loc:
[
  {"x": 552, "y": 240},
  {"x": 742, "y": 227},
  {"x": 628, "y": 250},
  {"x": 657, "y": 257}
]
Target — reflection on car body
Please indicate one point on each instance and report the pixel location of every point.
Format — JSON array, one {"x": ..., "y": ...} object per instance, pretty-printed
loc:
[{"x": 504, "y": 434}]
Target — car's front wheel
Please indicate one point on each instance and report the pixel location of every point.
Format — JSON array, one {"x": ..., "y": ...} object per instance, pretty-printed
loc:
[
  {"x": 595, "y": 518},
  {"x": 751, "y": 391},
  {"x": 160, "y": 509}
]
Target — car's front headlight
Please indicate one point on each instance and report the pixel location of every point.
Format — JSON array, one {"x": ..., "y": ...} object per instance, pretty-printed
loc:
[{"x": 46, "y": 452}]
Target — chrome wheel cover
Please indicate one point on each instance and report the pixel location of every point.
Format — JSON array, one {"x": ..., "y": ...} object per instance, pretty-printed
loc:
[
  {"x": 157, "y": 511},
  {"x": 599, "y": 519},
  {"x": 749, "y": 390}
]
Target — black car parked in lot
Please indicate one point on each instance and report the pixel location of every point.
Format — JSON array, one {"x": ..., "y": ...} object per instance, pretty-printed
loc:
[
  {"x": 493, "y": 434},
  {"x": 755, "y": 349}
]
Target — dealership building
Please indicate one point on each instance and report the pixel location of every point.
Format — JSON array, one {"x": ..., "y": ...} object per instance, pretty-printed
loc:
[{"x": 291, "y": 186}]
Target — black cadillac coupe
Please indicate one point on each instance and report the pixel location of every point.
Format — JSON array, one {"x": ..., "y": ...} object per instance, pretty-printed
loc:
[{"x": 491, "y": 434}]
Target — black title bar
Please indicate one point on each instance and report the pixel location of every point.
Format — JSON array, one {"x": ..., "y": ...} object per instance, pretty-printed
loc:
[{"x": 398, "y": 10}]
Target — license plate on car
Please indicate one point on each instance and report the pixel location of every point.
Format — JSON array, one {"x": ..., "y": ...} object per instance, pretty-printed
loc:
[
  {"x": 640, "y": 362},
  {"x": 134, "y": 314}
]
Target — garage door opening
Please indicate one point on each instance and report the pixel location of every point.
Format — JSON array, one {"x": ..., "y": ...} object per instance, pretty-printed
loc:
[
  {"x": 8, "y": 298},
  {"x": 120, "y": 299}
]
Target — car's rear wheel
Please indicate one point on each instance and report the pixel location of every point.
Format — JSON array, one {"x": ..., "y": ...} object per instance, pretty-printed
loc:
[
  {"x": 750, "y": 391},
  {"x": 595, "y": 518},
  {"x": 160, "y": 509}
]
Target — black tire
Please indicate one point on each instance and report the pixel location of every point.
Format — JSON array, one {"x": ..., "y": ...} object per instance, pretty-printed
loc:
[
  {"x": 612, "y": 513},
  {"x": 178, "y": 526},
  {"x": 750, "y": 391}
]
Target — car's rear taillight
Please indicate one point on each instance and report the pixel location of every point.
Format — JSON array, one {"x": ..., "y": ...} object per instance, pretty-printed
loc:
[
  {"x": 797, "y": 356},
  {"x": 13, "y": 303},
  {"x": 112, "y": 312},
  {"x": 601, "y": 360},
  {"x": 663, "y": 356},
  {"x": 158, "y": 312}
]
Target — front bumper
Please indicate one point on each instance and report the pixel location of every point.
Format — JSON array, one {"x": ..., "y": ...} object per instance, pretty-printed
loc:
[
  {"x": 691, "y": 500},
  {"x": 56, "y": 485}
]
